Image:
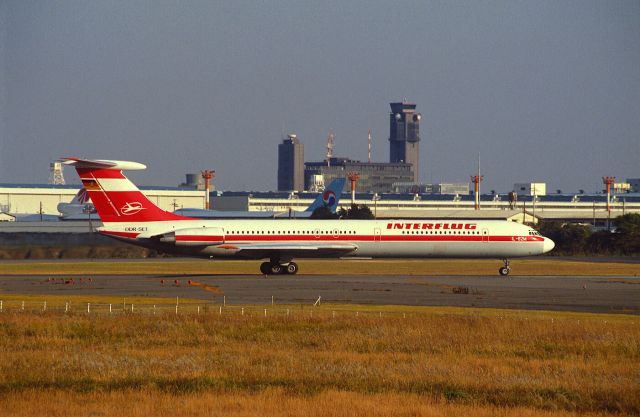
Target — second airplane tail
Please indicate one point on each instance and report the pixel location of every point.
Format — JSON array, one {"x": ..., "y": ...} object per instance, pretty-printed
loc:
[{"x": 330, "y": 196}]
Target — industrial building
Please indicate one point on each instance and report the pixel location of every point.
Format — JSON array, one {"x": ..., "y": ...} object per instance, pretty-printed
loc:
[
  {"x": 377, "y": 177},
  {"x": 403, "y": 167}
]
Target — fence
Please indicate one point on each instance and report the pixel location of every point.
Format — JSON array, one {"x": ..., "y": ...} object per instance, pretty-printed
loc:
[{"x": 191, "y": 308}]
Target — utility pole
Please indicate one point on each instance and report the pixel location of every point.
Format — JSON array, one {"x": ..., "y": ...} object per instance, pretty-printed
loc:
[{"x": 477, "y": 179}]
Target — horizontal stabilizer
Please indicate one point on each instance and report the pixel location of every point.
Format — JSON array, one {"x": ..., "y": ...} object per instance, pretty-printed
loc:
[{"x": 102, "y": 164}]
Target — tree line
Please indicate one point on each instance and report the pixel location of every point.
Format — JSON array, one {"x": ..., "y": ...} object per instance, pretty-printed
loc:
[
  {"x": 356, "y": 211},
  {"x": 578, "y": 239}
]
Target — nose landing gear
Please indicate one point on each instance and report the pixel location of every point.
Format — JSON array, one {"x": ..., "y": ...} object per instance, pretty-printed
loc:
[{"x": 504, "y": 271}]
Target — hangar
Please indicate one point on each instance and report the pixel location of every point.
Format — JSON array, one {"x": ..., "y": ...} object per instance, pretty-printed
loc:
[{"x": 44, "y": 198}]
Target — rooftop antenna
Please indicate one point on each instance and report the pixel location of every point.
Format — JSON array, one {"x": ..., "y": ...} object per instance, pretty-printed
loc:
[
  {"x": 369, "y": 145},
  {"x": 55, "y": 174},
  {"x": 330, "y": 141}
]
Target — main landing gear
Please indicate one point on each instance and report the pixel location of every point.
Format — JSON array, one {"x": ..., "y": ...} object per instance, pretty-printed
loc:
[
  {"x": 504, "y": 271},
  {"x": 278, "y": 267}
]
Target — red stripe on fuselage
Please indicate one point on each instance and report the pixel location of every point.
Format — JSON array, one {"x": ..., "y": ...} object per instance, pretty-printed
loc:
[
  {"x": 199, "y": 238},
  {"x": 383, "y": 238}
]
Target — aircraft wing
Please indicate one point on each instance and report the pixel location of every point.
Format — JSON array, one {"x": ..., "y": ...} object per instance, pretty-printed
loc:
[{"x": 301, "y": 250}]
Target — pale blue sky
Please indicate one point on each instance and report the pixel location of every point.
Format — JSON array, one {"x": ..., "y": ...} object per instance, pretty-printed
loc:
[{"x": 544, "y": 90}]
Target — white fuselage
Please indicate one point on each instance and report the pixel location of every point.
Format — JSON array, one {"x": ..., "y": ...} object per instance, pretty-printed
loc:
[{"x": 369, "y": 238}]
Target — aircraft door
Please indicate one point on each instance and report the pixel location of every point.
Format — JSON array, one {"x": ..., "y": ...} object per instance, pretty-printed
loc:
[
  {"x": 376, "y": 235},
  {"x": 485, "y": 235}
]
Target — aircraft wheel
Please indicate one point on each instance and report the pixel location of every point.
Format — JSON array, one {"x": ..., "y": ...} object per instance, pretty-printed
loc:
[
  {"x": 265, "y": 268},
  {"x": 276, "y": 269},
  {"x": 504, "y": 271},
  {"x": 292, "y": 268}
]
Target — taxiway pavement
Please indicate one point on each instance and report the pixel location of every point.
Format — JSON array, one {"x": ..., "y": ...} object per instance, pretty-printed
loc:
[{"x": 583, "y": 294}]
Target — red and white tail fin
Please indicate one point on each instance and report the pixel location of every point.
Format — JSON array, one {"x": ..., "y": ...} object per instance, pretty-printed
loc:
[{"x": 114, "y": 196}]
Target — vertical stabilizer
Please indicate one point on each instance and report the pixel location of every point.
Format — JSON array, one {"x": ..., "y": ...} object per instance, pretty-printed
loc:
[{"x": 114, "y": 196}]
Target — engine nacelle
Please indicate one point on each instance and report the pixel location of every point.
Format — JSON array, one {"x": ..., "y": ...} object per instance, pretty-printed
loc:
[{"x": 201, "y": 236}]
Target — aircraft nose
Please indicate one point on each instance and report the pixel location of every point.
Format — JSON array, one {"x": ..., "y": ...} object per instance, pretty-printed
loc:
[{"x": 548, "y": 245}]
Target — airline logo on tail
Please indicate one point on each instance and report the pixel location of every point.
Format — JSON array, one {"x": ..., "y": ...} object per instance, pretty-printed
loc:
[
  {"x": 329, "y": 198},
  {"x": 130, "y": 209}
]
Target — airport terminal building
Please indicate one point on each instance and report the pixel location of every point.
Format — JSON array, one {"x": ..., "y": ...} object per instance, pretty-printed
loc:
[{"x": 42, "y": 200}]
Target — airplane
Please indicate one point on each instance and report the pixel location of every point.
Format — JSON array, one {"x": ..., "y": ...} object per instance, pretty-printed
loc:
[
  {"x": 329, "y": 198},
  {"x": 128, "y": 215},
  {"x": 79, "y": 205}
]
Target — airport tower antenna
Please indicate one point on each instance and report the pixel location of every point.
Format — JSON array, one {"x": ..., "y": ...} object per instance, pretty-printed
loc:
[
  {"x": 55, "y": 174},
  {"x": 477, "y": 179},
  {"x": 369, "y": 139},
  {"x": 330, "y": 141}
]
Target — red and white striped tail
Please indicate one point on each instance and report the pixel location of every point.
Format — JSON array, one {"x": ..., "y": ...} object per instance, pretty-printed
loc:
[{"x": 114, "y": 196}]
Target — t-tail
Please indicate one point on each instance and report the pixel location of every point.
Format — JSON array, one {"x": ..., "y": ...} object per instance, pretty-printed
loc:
[
  {"x": 115, "y": 197},
  {"x": 330, "y": 197}
]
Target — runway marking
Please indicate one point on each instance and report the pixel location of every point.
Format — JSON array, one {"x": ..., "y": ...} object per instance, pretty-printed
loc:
[{"x": 205, "y": 287}]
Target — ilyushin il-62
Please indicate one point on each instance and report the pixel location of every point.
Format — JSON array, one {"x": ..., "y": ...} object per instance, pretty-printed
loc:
[{"x": 128, "y": 215}]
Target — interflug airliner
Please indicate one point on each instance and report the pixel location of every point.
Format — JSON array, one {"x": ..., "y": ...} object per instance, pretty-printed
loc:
[{"x": 128, "y": 215}]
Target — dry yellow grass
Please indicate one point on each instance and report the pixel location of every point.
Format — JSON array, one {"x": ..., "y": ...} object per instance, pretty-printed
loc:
[
  {"x": 433, "y": 362},
  {"x": 432, "y": 267},
  {"x": 270, "y": 402}
]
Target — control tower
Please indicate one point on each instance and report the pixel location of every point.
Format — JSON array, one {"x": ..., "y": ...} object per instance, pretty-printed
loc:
[
  {"x": 291, "y": 164},
  {"x": 404, "y": 135}
]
